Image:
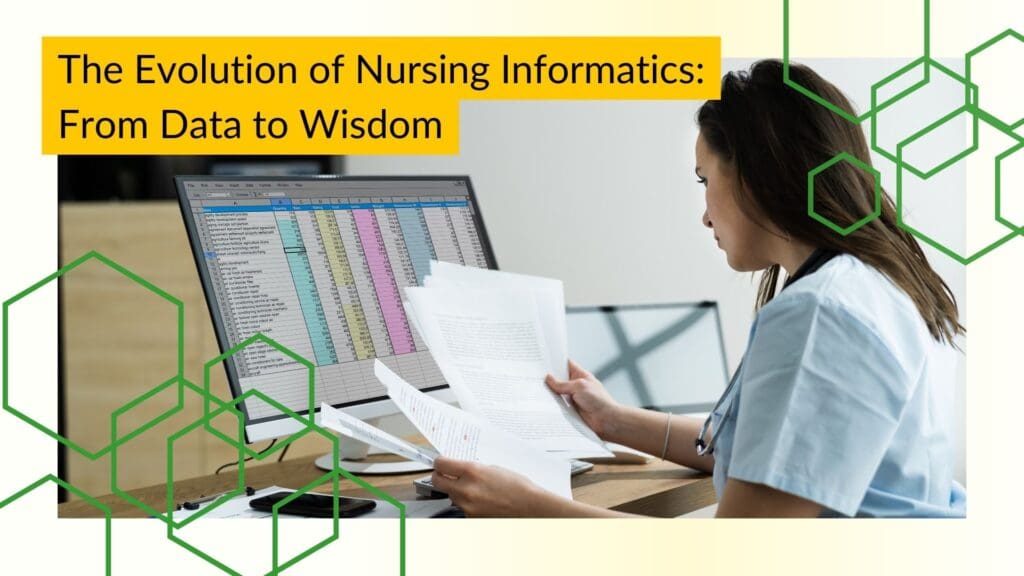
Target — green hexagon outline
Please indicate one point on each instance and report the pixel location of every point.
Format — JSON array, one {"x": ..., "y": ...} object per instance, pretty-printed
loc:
[
  {"x": 332, "y": 476},
  {"x": 870, "y": 113},
  {"x": 1009, "y": 32},
  {"x": 240, "y": 489},
  {"x": 183, "y": 383},
  {"x": 276, "y": 568},
  {"x": 844, "y": 231},
  {"x": 167, "y": 517},
  {"x": 93, "y": 254},
  {"x": 260, "y": 337},
  {"x": 309, "y": 428},
  {"x": 971, "y": 104},
  {"x": 999, "y": 199},
  {"x": 107, "y": 514},
  {"x": 965, "y": 260},
  {"x": 970, "y": 98}
]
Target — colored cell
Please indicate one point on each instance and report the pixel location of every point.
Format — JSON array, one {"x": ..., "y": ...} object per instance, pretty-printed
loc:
[{"x": 384, "y": 282}]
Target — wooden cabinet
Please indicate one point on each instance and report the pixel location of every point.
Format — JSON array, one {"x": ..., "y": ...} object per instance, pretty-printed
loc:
[{"x": 119, "y": 340}]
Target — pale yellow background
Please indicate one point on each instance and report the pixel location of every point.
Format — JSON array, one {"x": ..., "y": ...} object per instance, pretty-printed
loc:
[{"x": 987, "y": 542}]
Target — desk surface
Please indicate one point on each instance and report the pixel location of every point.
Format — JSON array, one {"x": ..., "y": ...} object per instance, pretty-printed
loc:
[{"x": 655, "y": 489}]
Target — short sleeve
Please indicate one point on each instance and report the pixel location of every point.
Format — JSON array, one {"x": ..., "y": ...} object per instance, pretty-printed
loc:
[{"x": 820, "y": 400}]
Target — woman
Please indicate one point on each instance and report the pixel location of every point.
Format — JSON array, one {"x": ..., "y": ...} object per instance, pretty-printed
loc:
[{"x": 835, "y": 408}]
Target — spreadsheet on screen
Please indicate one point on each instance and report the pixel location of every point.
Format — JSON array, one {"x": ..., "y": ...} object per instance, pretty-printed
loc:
[{"x": 319, "y": 266}]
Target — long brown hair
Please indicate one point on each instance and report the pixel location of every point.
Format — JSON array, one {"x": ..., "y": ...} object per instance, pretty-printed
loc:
[{"x": 773, "y": 136}]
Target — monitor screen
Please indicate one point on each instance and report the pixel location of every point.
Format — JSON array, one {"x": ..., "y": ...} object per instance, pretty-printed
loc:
[
  {"x": 659, "y": 356},
  {"x": 318, "y": 264}
]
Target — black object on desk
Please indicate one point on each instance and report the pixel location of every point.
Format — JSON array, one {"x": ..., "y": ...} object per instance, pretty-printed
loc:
[{"x": 315, "y": 505}]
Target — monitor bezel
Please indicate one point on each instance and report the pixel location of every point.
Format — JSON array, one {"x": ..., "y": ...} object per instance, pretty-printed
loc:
[
  {"x": 616, "y": 308},
  {"x": 266, "y": 428}
]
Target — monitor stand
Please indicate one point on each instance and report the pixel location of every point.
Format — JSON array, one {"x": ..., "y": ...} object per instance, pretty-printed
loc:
[{"x": 353, "y": 459}]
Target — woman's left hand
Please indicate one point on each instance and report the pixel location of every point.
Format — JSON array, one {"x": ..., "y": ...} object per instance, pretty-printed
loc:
[{"x": 482, "y": 490}]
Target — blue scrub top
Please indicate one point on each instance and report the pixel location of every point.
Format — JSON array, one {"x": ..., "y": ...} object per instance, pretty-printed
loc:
[{"x": 845, "y": 399}]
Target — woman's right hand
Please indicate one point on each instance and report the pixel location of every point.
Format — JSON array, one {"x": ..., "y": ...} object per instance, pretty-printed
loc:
[{"x": 599, "y": 410}]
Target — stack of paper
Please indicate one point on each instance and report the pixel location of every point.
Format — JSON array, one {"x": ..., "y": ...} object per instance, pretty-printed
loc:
[
  {"x": 495, "y": 336},
  {"x": 454, "y": 432}
]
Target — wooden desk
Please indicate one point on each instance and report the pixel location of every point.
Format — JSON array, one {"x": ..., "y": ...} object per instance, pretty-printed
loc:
[{"x": 655, "y": 489}]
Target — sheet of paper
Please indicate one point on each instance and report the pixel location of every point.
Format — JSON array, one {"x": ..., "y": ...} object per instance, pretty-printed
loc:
[
  {"x": 355, "y": 428},
  {"x": 548, "y": 294},
  {"x": 464, "y": 436},
  {"x": 490, "y": 348}
]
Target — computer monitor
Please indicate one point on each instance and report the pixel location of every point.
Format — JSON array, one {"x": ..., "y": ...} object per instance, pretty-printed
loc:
[
  {"x": 318, "y": 264},
  {"x": 668, "y": 357}
]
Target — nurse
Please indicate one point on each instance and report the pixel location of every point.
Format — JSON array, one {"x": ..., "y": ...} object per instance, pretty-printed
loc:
[{"x": 837, "y": 408}]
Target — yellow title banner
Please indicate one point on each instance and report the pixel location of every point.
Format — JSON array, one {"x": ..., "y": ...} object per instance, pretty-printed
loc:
[{"x": 352, "y": 95}]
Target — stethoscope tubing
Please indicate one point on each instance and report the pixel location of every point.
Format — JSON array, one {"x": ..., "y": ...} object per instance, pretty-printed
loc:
[
  {"x": 708, "y": 448},
  {"x": 815, "y": 261}
]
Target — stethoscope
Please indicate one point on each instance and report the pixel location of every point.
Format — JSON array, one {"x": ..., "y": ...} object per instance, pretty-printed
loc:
[
  {"x": 816, "y": 260},
  {"x": 706, "y": 448}
]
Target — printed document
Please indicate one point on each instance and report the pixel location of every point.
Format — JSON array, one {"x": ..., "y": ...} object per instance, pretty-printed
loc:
[
  {"x": 490, "y": 345},
  {"x": 458, "y": 434},
  {"x": 548, "y": 295},
  {"x": 355, "y": 428}
]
